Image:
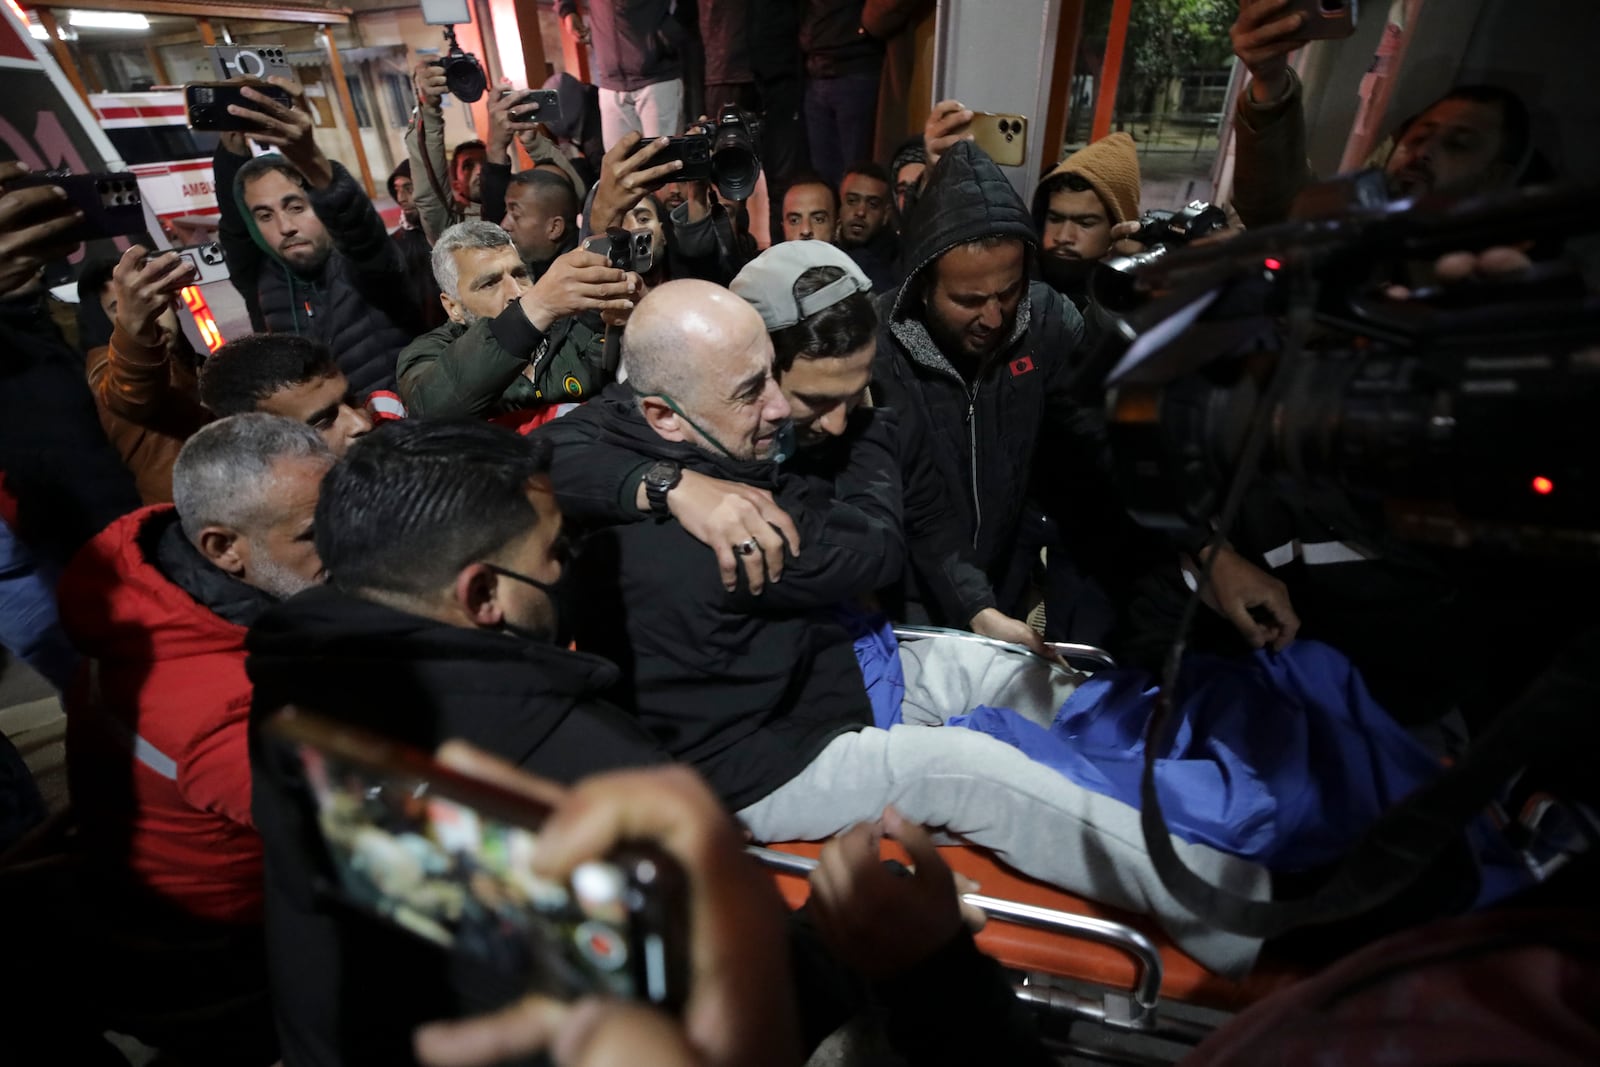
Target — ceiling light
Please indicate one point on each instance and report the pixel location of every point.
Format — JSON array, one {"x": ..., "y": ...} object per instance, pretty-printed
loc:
[{"x": 108, "y": 20}]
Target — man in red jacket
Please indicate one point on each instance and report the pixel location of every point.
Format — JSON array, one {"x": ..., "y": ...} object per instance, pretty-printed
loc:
[{"x": 157, "y": 751}]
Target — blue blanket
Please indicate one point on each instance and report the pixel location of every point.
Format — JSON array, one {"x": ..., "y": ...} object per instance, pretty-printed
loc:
[{"x": 1283, "y": 758}]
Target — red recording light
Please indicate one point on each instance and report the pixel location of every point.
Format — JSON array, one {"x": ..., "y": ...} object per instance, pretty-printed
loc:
[
  {"x": 1272, "y": 264},
  {"x": 1543, "y": 486}
]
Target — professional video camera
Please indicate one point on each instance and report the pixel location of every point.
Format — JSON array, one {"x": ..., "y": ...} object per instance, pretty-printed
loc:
[
  {"x": 1159, "y": 232},
  {"x": 463, "y": 74},
  {"x": 1466, "y": 415}
]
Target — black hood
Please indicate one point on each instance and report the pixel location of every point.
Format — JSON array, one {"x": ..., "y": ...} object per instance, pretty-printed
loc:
[
  {"x": 967, "y": 197},
  {"x": 426, "y": 679}
]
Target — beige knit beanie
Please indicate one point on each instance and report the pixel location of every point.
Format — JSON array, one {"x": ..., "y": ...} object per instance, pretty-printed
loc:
[{"x": 1111, "y": 165}]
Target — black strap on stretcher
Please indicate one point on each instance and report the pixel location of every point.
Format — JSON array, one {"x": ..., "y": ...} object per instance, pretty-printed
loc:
[{"x": 1560, "y": 710}]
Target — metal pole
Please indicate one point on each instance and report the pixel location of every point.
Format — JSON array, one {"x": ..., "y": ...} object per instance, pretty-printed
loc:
[
  {"x": 347, "y": 106},
  {"x": 58, "y": 48},
  {"x": 1111, "y": 70}
]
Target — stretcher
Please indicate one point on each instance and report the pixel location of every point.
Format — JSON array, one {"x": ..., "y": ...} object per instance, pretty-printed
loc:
[{"x": 1059, "y": 944}]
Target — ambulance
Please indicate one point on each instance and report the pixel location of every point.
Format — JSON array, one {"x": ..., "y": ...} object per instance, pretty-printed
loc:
[
  {"x": 149, "y": 133},
  {"x": 45, "y": 124}
]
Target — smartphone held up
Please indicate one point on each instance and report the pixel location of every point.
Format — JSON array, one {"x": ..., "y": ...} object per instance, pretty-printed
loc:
[
  {"x": 207, "y": 104},
  {"x": 449, "y": 858}
]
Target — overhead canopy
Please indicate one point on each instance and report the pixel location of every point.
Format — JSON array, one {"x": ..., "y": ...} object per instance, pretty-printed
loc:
[{"x": 229, "y": 9}]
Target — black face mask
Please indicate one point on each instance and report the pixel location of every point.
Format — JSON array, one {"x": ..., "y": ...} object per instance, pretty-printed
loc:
[{"x": 557, "y": 592}]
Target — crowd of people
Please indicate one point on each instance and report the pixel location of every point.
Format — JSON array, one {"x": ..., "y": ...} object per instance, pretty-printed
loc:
[{"x": 638, "y": 532}]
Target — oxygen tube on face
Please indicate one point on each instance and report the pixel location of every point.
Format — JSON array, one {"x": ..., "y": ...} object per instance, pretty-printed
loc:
[{"x": 782, "y": 440}]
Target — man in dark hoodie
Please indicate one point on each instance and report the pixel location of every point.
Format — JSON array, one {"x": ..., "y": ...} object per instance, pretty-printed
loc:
[
  {"x": 446, "y": 563},
  {"x": 306, "y": 244},
  {"x": 998, "y": 366}
]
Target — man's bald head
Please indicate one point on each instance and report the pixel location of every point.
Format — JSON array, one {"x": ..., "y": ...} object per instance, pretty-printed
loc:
[{"x": 699, "y": 359}]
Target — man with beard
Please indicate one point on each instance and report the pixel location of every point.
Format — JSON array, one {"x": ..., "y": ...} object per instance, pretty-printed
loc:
[
  {"x": 302, "y": 238},
  {"x": 447, "y": 564},
  {"x": 865, "y": 227},
  {"x": 1077, "y": 208},
  {"x": 998, "y": 366},
  {"x": 810, "y": 210},
  {"x": 1474, "y": 139},
  {"x": 511, "y": 345},
  {"x": 159, "y": 604}
]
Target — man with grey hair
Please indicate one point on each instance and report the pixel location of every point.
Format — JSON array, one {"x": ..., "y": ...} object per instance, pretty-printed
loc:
[
  {"x": 511, "y": 345},
  {"x": 157, "y": 722}
]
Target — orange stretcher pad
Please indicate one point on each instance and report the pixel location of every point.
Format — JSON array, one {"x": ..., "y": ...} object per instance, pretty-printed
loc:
[{"x": 1061, "y": 954}]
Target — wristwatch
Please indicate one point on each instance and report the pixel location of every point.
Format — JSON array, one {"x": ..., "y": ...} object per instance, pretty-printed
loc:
[{"x": 659, "y": 479}]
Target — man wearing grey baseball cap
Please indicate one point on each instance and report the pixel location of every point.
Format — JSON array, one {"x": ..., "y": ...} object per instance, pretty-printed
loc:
[
  {"x": 818, "y": 308},
  {"x": 764, "y": 694}
]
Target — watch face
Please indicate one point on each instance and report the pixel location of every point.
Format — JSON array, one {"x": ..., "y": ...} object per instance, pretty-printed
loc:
[{"x": 663, "y": 475}]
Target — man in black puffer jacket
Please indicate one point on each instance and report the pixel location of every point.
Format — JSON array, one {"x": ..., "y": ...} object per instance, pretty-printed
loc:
[
  {"x": 306, "y": 247},
  {"x": 1013, "y": 402}
]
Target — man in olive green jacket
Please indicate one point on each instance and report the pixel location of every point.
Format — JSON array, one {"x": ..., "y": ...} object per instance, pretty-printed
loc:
[{"x": 511, "y": 345}]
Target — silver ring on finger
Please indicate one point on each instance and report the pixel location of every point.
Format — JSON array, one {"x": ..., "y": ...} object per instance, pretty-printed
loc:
[{"x": 748, "y": 547}]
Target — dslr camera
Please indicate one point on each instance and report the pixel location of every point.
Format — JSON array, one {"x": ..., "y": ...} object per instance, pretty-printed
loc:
[
  {"x": 735, "y": 153},
  {"x": 1160, "y": 231},
  {"x": 463, "y": 74}
]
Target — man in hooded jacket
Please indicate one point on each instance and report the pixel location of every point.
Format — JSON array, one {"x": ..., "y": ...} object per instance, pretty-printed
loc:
[
  {"x": 998, "y": 365},
  {"x": 307, "y": 249}
]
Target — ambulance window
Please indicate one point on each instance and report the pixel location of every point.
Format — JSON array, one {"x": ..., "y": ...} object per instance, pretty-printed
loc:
[{"x": 161, "y": 144}]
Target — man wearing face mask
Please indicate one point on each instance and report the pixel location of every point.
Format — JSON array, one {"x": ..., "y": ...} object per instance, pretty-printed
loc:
[
  {"x": 447, "y": 561},
  {"x": 511, "y": 344}
]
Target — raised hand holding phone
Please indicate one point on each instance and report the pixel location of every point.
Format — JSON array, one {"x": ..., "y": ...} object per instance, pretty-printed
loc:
[{"x": 740, "y": 1007}]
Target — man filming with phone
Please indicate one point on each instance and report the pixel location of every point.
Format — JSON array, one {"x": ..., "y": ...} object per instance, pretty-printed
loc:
[
  {"x": 1474, "y": 139},
  {"x": 511, "y": 344},
  {"x": 304, "y": 241}
]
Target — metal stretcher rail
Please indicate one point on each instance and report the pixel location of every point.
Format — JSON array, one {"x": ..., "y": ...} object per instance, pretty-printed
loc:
[
  {"x": 1133, "y": 1010},
  {"x": 1065, "y": 649}
]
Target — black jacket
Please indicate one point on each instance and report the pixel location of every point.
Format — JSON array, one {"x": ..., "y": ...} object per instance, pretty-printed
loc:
[
  {"x": 985, "y": 436},
  {"x": 879, "y": 260},
  {"x": 746, "y": 688},
  {"x": 418, "y": 256},
  {"x": 833, "y": 41},
  {"x": 636, "y": 42},
  {"x": 361, "y": 304},
  {"x": 348, "y": 990},
  {"x": 55, "y": 461}
]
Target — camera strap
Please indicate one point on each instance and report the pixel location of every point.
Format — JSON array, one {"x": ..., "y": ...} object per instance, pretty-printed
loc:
[{"x": 445, "y": 198}]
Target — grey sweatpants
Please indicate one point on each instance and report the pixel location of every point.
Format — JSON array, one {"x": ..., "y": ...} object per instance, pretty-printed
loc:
[{"x": 982, "y": 789}]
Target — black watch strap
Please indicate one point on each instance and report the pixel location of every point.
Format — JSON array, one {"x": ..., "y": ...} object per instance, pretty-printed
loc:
[{"x": 659, "y": 479}]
